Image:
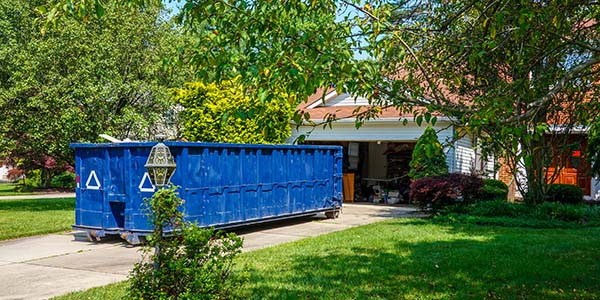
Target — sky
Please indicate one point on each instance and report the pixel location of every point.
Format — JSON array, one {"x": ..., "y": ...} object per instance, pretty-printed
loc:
[{"x": 173, "y": 5}]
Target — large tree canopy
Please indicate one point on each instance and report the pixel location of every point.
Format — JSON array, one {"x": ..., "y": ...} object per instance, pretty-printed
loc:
[
  {"x": 524, "y": 73},
  {"x": 520, "y": 74},
  {"x": 76, "y": 81}
]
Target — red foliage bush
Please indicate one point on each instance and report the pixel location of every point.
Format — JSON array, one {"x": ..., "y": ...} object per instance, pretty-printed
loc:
[
  {"x": 439, "y": 191},
  {"x": 14, "y": 174}
]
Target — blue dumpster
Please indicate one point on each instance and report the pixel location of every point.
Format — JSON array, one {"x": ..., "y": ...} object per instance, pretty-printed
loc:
[{"x": 223, "y": 185}]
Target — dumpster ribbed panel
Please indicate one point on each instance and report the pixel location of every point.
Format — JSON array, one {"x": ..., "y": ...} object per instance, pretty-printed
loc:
[{"x": 222, "y": 184}]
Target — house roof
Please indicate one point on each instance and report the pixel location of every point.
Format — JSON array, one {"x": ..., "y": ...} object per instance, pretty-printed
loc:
[{"x": 327, "y": 102}]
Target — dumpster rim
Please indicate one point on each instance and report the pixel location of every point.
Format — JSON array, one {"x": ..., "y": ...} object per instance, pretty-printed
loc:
[{"x": 203, "y": 145}]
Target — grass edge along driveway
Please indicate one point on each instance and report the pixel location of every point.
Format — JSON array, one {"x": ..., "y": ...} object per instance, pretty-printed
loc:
[
  {"x": 417, "y": 259},
  {"x": 28, "y": 217}
]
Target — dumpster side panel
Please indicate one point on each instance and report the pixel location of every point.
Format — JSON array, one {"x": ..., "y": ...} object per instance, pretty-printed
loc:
[
  {"x": 90, "y": 190},
  {"x": 141, "y": 188},
  {"x": 115, "y": 186},
  {"x": 222, "y": 184}
]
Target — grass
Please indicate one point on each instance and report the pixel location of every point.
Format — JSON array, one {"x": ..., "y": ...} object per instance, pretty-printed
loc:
[
  {"x": 8, "y": 189},
  {"x": 114, "y": 291},
  {"x": 19, "y": 218},
  {"x": 418, "y": 259}
]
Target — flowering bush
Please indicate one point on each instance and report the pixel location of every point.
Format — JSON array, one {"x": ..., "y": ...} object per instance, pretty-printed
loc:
[{"x": 439, "y": 191}]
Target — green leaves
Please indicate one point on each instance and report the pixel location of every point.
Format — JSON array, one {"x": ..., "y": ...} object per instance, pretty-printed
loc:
[
  {"x": 428, "y": 158},
  {"x": 225, "y": 113},
  {"x": 198, "y": 262},
  {"x": 102, "y": 77}
]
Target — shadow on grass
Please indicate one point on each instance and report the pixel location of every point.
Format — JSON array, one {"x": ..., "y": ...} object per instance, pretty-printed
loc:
[
  {"x": 38, "y": 204},
  {"x": 418, "y": 260}
]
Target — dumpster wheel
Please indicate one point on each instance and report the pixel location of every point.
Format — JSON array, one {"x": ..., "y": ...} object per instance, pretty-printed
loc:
[
  {"x": 92, "y": 236},
  {"x": 333, "y": 214}
]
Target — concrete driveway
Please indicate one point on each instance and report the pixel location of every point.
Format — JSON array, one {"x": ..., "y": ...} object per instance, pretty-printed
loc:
[{"x": 45, "y": 266}]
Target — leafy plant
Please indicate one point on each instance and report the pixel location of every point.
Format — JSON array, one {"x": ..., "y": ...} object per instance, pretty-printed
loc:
[
  {"x": 106, "y": 76},
  {"x": 31, "y": 181},
  {"x": 503, "y": 213},
  {"x": 440, "y": 191},
  {"x": 428, "y": 157},
  {"x": 188, "y": 262},
  {"x": 225, "y": 113},
  {"x": 65, "y": 180},
  {"x": 493, "y": 189},
  {"x": 564, "y": 193}
]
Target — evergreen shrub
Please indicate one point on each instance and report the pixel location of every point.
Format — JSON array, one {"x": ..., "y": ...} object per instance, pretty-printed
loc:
[
  {"x": 564, "y": 193},
  {"x": 428, "y": 157}
]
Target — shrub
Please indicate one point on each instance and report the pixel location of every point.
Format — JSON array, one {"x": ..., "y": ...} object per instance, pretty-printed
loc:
[
  {"x": 31, "y": 181},
  {"x": 496, "y": 208},
  {"x": 14, "y": 174},
  {"x": 493, "y": 190},
  {"x": 564, "y": 193},
  {"x": 503, "y": 213},
  {"x": 558, "y": 211},
  {"x": 193, "y": 263},
  {"x": 65, "y": 180},
  {"x": 440, "y": 191},
  {"x": 223, "y": 112},
  {"x": 428, "y": 157}
]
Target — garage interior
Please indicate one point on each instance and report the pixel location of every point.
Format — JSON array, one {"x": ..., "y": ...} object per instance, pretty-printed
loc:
[{"x": 375, "y": 171}]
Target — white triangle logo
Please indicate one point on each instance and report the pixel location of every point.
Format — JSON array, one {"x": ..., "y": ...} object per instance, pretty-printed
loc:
[
  {"x": 146, "y": 184},
  {"x": 92, "y": 182}
]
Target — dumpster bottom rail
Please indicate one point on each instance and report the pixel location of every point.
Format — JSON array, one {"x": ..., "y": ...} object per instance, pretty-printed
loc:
[{"x": 136, "y": 236}]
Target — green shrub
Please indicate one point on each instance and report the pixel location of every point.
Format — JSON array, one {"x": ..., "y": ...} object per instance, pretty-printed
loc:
[
  {"x": 65, "y": 180},
  {"x": 31, "y": 181},
  {"x": 503, "y": 213},
  {"x": 497, "y": 208},
  {"x": 493, "y": 190},
  {"x": 193, "y": 263},
  {"x": 428, "y": 157},
  {"x": 564, "y": 193},
  {"x": 225, "y": 113},
  {"x": 558, "y": 211}
]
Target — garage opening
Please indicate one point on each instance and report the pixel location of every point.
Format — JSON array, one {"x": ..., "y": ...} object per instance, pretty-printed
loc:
[{"x": 376, "y": 171}]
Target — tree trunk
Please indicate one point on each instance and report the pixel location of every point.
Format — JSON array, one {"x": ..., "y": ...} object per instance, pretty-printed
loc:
[
  {"x": 46, "y": 178},
  {"x": 535, "y": 158}
]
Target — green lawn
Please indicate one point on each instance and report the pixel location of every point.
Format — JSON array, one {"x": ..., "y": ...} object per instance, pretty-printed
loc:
[
  {"x": 8, "y": 189},
  {"x": 416, "y": 259},
  {"x": 19, "y": 218}
]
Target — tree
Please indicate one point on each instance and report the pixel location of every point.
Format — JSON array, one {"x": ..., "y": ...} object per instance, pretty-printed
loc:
[
  {"x": 225, "y": 113},
  {"x": 522, "y": 75},
  {"x": 508, "y": 70},
  {"x": 428, "y": 157},
  {"x": 74, "y": 82}
]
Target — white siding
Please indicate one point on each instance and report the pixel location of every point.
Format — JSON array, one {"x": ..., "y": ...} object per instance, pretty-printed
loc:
[
  {"x": 464, "y": 155},
  {"x": 595, "y": 190},
  {"x": 488, "y": 168},
  {"x": 3, "y": 172}
]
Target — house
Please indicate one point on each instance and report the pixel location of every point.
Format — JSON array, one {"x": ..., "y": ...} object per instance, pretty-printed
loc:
[
  {"x": 377, "y": 154},
  {"x": 4, "y": 173}
]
